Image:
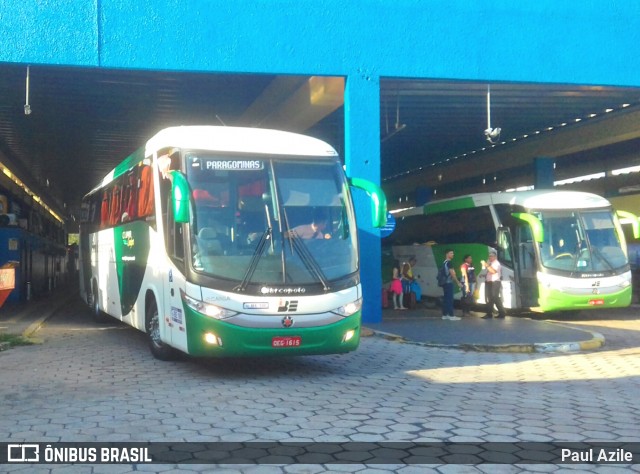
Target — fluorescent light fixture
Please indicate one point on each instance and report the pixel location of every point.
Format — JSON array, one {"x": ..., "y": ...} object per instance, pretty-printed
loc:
[
  {"x": 28, "y": 192},
  {"x": 579, "y": 179},
  {"x": 630, "y": 169}
]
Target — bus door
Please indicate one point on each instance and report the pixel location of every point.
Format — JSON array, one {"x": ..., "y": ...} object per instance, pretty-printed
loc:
[
  {"x": 175, "y": 281},
  {"x": 521, "y": 257},
  {"x": 510, "y": 274}
]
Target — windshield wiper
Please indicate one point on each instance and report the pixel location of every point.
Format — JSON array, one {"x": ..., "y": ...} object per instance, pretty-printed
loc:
[
  {"x": 309, "y": 261},
  {"x": 253, "y": 264}
]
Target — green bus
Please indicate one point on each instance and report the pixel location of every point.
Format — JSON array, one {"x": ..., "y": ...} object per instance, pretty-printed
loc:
[
  {"x": 193, "y": 239},
  {"x": 560, "y": 250}
]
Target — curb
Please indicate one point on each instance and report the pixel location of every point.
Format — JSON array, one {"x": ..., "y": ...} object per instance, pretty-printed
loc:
[
  {"x": 596, "y": 342},
  {"x": 37, "y": 324}
]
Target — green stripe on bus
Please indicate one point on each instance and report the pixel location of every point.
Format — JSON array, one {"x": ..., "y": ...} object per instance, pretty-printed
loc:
[
  {"x": 131, "y": 249},
  {"x": 450, "y": 205},
  {"x": 129, "y": 162}
]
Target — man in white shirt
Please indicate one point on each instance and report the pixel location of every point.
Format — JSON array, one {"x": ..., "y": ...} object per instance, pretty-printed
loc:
[{"x": 493, "y": 285}]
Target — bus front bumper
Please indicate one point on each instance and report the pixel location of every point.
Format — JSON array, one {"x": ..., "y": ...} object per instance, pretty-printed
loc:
[
  {"x": 209, "y": 337},
  {"x": 554, "y": 300}
]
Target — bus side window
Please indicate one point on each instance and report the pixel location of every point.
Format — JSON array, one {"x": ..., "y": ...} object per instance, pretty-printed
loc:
[
  {"x": 114, "y": 212},
  {"x": 145, "y": 192},
  {"x": 174, "y": 236},
  {"x": 104, "y": 209},
  {"x": 130, "y": 198}
]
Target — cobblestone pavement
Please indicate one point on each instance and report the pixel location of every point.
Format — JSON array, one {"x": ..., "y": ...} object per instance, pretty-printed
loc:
[{"x": 99, "y": 383}]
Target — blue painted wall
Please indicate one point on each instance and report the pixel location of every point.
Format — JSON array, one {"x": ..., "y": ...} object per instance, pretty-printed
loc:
[
  {"x": 574, "y": 41},
  {"x": 568, "y": 41}
]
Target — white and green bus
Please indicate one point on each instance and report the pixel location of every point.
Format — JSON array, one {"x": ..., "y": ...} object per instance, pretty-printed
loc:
[
  {"x": 560, "y": 250},
  {"x": 192, "y": 239}
]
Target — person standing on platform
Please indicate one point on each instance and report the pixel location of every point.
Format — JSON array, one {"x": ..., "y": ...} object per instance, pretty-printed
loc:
[
  {"x": 469, "y": 284},
  {"x": 396, "y": 290},
  {"x": 493, "y": 286},
  {"x": 409, "y": 282},
  {"x": 447, "y": 299}
]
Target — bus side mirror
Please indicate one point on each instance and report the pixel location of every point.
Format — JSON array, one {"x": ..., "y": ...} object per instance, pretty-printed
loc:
[
  {"x": 630, "y": 219},
  {"x": 536, "y": 226},
  {"x": 179, "y": 196},
  {"x": 379, "y": 208}
]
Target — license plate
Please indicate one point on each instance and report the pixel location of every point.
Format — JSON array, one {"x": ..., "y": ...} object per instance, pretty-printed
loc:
[{"x": 286, "y": 341}]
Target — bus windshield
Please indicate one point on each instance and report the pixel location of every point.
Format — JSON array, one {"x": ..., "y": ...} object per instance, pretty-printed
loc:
[
  {"x": 271, "y": 220},
  {"x": 581, "y": 241}
]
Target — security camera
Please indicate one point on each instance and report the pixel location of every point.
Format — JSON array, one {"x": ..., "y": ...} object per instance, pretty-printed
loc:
[
  {"x": 27, "y": 109},
  {"x": 493, "y": 134}
]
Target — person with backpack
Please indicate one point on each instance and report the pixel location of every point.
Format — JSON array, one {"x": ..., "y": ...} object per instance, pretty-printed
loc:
[{"x": 447, "y": 277}]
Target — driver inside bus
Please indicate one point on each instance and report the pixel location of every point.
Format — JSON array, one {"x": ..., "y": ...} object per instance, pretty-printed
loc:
[{"x": 315, "y": 229}]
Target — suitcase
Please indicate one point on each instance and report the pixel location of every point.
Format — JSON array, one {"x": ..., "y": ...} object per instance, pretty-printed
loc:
[
  {"x": 409, "y": 300},
  {"x": 385, "y": 298}
]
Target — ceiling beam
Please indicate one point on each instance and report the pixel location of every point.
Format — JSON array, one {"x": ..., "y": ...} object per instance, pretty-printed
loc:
[
  {"x": 295, "y": 104},
  {"x": 589, "y": 134}
]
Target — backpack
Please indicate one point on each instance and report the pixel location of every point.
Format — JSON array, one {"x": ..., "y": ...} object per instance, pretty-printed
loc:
[{"x": 443, "y": 275}]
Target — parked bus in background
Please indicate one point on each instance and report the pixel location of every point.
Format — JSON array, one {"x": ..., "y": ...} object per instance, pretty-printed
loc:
[
  {"x": 192, "y": 239},
  {"x": 560, "y": 250}
]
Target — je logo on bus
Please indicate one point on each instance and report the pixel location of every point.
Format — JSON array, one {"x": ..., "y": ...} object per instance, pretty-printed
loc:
[{"x": 288, "y": 306}]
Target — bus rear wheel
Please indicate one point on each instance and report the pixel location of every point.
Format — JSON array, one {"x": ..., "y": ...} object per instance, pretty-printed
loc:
[{"x": 159, "y": 349}]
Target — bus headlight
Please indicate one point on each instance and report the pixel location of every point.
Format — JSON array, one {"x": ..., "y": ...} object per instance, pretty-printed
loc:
[
  {"x": 208, "y": 309},
  {"x": 348, "y": 335},
  {"x": 349, "y": 308}
]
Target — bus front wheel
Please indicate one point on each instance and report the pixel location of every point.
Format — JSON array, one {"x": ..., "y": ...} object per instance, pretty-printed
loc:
[{"x": 159, "y": 349}]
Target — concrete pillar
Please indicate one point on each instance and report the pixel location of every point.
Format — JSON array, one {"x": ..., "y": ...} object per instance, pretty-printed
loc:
[
  {"x": 362, "y": 160},
  {"x": 543, "y": 172}
]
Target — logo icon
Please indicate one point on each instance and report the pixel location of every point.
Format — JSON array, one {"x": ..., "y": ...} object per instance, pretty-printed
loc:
[
  {"x": 23, "y": 452},
  {"x": 287, "y": 321},
  {"x": 286, "y": 306}
]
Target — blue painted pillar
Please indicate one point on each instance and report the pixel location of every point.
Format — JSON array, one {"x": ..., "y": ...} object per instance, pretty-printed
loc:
[
  {"x": 362, "y": 160},
  {"x": 543, "y": 172},
  {"x": 423, "y": 195}
]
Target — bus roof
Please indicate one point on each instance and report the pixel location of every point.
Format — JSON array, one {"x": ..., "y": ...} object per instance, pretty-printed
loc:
[
  {"x": 541, "y": 199},
  {"x": 225, "y": 139},
  {"x": 239, "y": 139}
]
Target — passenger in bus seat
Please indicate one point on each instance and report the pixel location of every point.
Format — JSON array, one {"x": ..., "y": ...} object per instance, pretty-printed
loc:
[{"x": 208, "y": 242}]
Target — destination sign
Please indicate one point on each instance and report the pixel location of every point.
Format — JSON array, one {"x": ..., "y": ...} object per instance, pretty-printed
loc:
[{"x": 232, "y": 165}]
